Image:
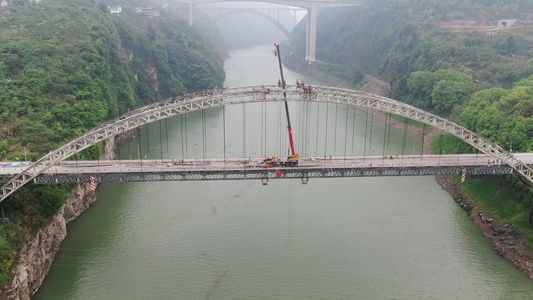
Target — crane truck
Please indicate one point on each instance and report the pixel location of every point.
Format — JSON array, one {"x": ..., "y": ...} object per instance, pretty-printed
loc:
[{"x": 292, "y": 160}]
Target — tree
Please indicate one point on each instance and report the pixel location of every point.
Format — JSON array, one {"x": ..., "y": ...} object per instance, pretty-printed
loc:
[{"x": 447, "y": 93}]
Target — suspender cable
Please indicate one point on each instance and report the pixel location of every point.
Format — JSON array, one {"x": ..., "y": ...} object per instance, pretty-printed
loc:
[
  {"x": 280, "y": 130},
  {"x": 353, "y": 128},
  {"x": 389, "y": 129},
  {"x": 166, "y": 133},
  {"x": 184, "y": 136},
  {"x": 244, "y": 130},
  {"x": 147, "y": 140},
  {"x": 326, "y": 135},
  {"x": 266, "y": 129},
  {"x": 366, "y": 127},
  {"x": 262, "y": 127},
  {"x": 119, "y": 161},
  {"x": 440, "y": 145},
  {"x": 385, "y": 134},
  {"x": 390, "y": 125},
  {"x": 317, "y": 126},
  {"x": 346, "y": 133},
  {"x": 335, "y": 132},
  {"x": 423, "y": 137},
  {"x": 161, "y": 142},
  {"x": 204, "y": 134},
  {"x": 139, "y": 150},
  {"x": 457, "y": 147},
  {"x": 404, "y": 138},
  {"x": 129, "y": 151},
  {"x": 224, "y": 131},
  {"x": 371, "y": 131},
  {"x": 301, "y": 124},
  {"x": 307, "y": 107}
]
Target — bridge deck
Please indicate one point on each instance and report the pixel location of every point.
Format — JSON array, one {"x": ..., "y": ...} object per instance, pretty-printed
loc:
[{"x": 251, "y": 168}]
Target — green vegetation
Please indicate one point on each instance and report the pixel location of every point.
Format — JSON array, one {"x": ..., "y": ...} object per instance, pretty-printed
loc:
[
  {"x": 351, "y": 76},
  {"x": 438, "y": 91},
  {"x": 503, "y": 197},
  {"x": 66, "y": 67},
  {"x": 480, "y": 79},
  {"x": 503, "y": 116},
  {"x": 393, "y": 39},
  {"x": 450, "y": 144}
]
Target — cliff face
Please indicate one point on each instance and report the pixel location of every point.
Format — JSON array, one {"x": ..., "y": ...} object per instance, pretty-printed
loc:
[
  {"x": 40, "y": 248},
  {"x": 37, "y": 254}
]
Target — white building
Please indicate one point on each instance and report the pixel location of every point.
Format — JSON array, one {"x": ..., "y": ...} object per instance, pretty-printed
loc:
[
  {"x": 115, "y": 9},
  {"x": 5, "y": 3},
  {"x": 148, "y": 11}
]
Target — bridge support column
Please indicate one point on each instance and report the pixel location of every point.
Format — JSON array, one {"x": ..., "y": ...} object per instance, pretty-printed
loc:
[
  {"x": 190, "y": 13},
  {"x": 310, "y": 40}
]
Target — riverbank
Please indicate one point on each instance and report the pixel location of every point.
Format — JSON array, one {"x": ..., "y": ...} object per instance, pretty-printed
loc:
[
  {"x": 507, "y": 241},
  {"x": 40, "y": 248}
]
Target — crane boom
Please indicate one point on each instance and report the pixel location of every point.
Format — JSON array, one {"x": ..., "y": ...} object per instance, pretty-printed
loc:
[{"x": 294, "y": 155}]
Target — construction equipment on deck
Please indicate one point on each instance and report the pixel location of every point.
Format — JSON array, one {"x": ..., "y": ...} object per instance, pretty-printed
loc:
[{"x": 292, "y": 160}]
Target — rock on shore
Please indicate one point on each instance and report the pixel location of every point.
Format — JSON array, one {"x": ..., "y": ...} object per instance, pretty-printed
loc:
[
  {"x": 507, "y": 241},
  {"x": 38, "y": 252}
]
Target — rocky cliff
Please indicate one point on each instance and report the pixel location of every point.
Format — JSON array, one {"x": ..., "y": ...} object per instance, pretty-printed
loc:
[{"x": 40, "y": 248}]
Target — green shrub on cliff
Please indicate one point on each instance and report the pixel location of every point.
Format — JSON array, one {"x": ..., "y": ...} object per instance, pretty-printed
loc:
[
  {"x": 5, "y": 260},
  {"x": 67, "y": 66}
]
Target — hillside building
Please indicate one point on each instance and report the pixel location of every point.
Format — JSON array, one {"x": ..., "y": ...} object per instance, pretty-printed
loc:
[
  {"x": 115, "y": 9},
  {"x": 147, "y": 11}
]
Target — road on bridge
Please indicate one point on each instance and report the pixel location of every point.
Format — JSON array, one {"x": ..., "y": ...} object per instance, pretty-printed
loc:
[{"x": 82, "y": 167}]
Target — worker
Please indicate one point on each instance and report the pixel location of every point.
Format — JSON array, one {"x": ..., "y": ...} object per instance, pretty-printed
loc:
[
  {"x": 279, "y": 82},
  {"x": 266, "y": 93},
  {"x": 297, "y": 82}
]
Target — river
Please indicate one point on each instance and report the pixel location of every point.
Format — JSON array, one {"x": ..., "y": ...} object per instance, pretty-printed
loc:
[{"x": 354, "y": 238}]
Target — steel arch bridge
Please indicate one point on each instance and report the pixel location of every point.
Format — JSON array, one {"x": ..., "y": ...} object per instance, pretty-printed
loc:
[
  {"x": 256, "y": 12},
  {"x": 312, "y": 7},
  {"x": 259, "y": 93}
]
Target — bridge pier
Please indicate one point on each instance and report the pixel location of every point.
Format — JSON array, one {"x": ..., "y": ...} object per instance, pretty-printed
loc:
[
  {"x": 190, "y": 13},
  {"x": 310, "y": 41}
]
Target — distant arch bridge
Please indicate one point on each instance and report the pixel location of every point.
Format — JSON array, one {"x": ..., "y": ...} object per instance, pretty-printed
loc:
[
  {"x": 259, "y": 93},
  {"x": 312, "y": 7},
  {"x": 255, "y": 11}
]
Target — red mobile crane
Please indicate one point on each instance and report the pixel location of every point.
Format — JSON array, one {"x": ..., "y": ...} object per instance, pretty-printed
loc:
[{"x": 292, "y": 160}]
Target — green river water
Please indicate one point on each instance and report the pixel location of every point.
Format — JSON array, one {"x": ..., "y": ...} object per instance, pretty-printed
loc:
[{"x": 353, "y": 238}]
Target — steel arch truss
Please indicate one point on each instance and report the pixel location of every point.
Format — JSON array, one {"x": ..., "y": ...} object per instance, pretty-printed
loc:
[
  {"x": 259, "y": 93},
  {"x": 255, "y": 12}
]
